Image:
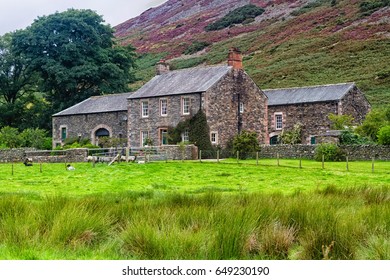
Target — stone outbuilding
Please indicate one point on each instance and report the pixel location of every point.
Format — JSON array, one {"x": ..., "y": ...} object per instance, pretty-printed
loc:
[
  {"x": 311, "y": 106},
  {"x": 97, "y": 116},
  {"x": 230, "y": 99}
]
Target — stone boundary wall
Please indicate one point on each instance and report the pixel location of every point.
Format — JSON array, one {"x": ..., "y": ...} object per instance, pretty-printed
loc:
[
  {"x": 287, "y": 151},
  {"x": 354, "y": 152},
  {"x": 172, "y": 152},
  {"x": 175, "y": 152}
]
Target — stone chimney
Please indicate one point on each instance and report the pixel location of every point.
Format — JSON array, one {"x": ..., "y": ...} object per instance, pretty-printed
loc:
[
  {"x": 162, "y": 67},
  {"x": 235, "y": 58}
]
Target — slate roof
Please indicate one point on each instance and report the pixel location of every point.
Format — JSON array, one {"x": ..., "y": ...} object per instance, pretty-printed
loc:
[
  {"x": 98, "y": 104},
  {"x": 192, "y": 80},
  {"x": 312, "y": 94}
]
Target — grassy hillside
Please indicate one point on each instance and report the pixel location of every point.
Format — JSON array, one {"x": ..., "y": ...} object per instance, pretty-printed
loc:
[{"x": 322, "y": 43}]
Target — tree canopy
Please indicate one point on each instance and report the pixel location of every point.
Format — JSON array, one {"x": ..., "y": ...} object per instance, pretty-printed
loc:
[{"x": 75, "y": 54}]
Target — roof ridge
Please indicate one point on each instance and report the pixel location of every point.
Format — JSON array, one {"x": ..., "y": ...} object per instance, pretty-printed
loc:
[
  {"x": 110, "y": 94},
  {"x": 315, "y": 86},
  {"x": 196, "y": 68}
]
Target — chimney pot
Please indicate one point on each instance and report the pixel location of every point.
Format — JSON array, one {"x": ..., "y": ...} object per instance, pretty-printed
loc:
[
  {"x": 162, "y": 67},
  {"x": 235, "y": 58}
]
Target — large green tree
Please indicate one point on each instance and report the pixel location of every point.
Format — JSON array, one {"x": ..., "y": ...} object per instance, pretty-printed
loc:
[
  {"x": 75, "y": 54},
  {"x": 17, "y": 83}
]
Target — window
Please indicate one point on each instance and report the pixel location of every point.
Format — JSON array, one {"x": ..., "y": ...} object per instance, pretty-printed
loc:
[
  {"x": 144, "y": 138},
  {"x": 313, "y": 140},
  {"x": 241, "y": 107},
  {"x": 186, "y": 105},
  {"x": 214, "y": 137},
  {"x": 63, "y": 133},
  {"x": 185, "y": 137},
  {"x": 164, "y": 107},
  {"x": 278, "y": 121},
  {"x": 163, "y": 137},
  {"x": 145, "y": 109}
]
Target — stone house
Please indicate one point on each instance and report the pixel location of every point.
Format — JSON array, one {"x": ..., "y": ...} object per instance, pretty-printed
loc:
[
  {"x": 97, "y": 116},
  {"x": 230, "y": 99},
  {"x": 311, "y": 106}
]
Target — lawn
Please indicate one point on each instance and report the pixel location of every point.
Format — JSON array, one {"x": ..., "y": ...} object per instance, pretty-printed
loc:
[
  {"x": 194, "y": 210},
  {"x": 189, "y": 177}
]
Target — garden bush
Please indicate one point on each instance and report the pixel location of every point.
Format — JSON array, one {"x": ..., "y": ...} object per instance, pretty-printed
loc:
[
  {"x": 246, "y": 143},
  {"x": 384, "y": 135},
  {"x": 331, "y": 152}
]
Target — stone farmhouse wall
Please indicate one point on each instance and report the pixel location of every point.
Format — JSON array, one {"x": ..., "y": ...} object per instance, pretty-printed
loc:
[
  {"x": 354, "y": 152},
  {"x": 222, "y": 107},
  {"x": 155, "y": 123},
  {"x": 313, "y": 117},
  {"x": 355, "y": 104},
  {"x": 85, "y": 126}
]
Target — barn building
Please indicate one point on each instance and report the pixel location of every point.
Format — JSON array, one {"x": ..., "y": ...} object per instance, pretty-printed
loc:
[
  {"x": 97, "y": 116},
  {"x": 310, "y": 106}
]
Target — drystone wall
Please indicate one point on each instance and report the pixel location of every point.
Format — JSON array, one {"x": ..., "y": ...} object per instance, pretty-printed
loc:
[
  {"x": 170, "y": 152},
  {"x": 354, "y": 152},
  {"x": 19, "y": 155}
]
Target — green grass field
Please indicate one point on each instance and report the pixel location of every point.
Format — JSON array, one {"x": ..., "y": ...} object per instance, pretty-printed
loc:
[
  {"x": 195, "y": 210},
  {"x": 189, "y": 177}
]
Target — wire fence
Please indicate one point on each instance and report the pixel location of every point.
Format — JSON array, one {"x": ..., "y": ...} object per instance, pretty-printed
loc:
[{"x": 256, "y": 158}]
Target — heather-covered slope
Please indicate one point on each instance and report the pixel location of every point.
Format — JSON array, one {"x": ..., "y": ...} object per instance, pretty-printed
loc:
[{"x": 293, "y": 43}]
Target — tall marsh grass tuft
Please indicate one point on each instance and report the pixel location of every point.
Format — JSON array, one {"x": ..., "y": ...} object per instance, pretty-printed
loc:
[{"x": 328, "y": 223}]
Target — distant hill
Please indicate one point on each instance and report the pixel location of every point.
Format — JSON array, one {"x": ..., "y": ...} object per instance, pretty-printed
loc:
[{"x": 292, "y": 43}]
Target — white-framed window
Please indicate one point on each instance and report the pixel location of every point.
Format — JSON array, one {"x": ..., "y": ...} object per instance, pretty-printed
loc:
[
  {"x": 214, "y": 137},
  {"x": 185, "y": 104},
  {"x": 164, "y": 107},
  {"x": 185, "y": 137},
  {"x": 144, "y": 138},
  {"x": 278, "y": 121},
  {"x": 241, "y": 107},
  {"x": 145, "y": 109}
]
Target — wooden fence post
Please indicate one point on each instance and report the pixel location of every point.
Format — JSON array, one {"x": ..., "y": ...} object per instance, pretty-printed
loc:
[
  {"x": 127, "y": 154},
  {"x": 277, "y": 158},
  {"x": 257, "y": 158},
  {"x": 238, "y": 156},
  {"x": 300, "y": 162},
  {"x": 347, "y": 163},
  {"x": 218, "y": 156},
  {"x": 373, "y": 165},
  {"x": 323, "y": 161},
  {"x": 200, "y": 155}
]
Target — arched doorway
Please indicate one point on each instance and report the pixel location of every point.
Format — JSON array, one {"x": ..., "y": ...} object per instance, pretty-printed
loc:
[
  {"x": 102, "y": 132},
  {"x": 273, "y": 140}
]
